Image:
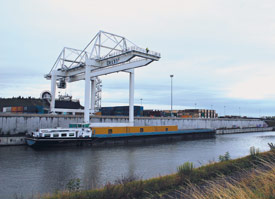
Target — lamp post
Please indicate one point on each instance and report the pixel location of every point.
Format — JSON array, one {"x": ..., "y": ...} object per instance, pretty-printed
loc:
[
  {"x": 171, "y": 94},
  {"x": 224, "y": 109},
  {"x": 141, "y": 101}
]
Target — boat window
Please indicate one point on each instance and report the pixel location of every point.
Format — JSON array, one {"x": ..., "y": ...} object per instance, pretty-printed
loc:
[
  {"x": 44, "y": 131},
  {"x": 47, "y": 135},
  {"x": 64, "y": 135},
  {"x": 71, "y": 134},
  {"x": 166, "y": 129},
  {"x": 141, "y": 130},
  {"x": 110, "y": 131},
  {"x": 55, "y": 135}
]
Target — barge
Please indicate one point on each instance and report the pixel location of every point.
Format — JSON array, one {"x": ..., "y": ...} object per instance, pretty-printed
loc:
[{"x": 96, "y": 136}]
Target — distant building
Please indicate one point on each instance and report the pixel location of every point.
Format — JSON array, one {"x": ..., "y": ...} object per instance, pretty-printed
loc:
[
  {"x": 197, "y": 113},
  {"x": 24, "y": 105},
  {"x": 153, "y": 113},
  {"x": 35, "y": 105},
  {"x": 121, "y": 111},
  {"x": 187, "y": 113},
  {"x": 167, "y": 113}
]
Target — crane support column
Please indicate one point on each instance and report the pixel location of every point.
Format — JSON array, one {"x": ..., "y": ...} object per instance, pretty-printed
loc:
[
  {"x": 131, "y": 96},
  {"x": 53, "y": 89},
  {"x": 87, "y": 94},
  {"x": 93, "y": 81}
]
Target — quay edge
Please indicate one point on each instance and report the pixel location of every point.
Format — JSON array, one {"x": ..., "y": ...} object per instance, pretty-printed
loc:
[{"x": 12, "y": 124}]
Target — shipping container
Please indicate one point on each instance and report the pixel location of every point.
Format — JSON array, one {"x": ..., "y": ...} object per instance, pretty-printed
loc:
[
  {"x": 135, "y": 129},
  {"x": 20, "y": 109},
  {"x": 7, "y": 109},
  {"x": 121, "y": 110},
  {"x": 30, "y": 109},
  {"x": 166, "y": 128},
  {"x": 109, "y": 130},
  {"x": 186, "y": 116},
  {"x": 14, "y": 109},
  {"x": 148, "y": 129},
  {"x": 40, "y": 109}
]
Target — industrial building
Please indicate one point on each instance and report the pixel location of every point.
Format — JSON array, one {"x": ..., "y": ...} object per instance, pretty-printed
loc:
[
  {"x": 197, "y": 113},
  {"x": 66, "y": 105},
  {"x": 36, "y": 105},
  {"x": 186, "y": 113}
]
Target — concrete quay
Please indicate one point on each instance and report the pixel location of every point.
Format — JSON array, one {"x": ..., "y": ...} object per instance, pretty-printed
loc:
[
  {"x": 12, "y": 124},
  {"x": 243, "y": 130},
  {"x": 12, "y": 141}
]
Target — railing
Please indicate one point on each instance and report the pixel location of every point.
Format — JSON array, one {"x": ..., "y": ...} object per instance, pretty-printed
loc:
[
  {"x": 147, "y": 51},
  {"x": 132, "y": 48}
]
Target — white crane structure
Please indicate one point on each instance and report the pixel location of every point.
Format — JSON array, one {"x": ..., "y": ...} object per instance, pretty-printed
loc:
[{"x": 106, "y": 53}]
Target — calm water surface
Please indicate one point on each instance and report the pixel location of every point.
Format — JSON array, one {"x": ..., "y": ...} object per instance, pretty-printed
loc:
[{"x": 25, "y": 171}]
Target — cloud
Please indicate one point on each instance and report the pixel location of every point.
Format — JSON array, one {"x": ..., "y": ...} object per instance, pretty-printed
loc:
[{"x": 221, "y": 52}]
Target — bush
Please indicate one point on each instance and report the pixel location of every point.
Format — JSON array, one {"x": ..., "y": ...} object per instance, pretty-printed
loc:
[
  {"x": 271, "y": 146},
  {"x": 73, "y": 185},
  {"x": 126, "y": 179},
  {"x": 254, "y": 151},
  {"x": 186, "y": 168},
  {"x": 224, "y": 157}
]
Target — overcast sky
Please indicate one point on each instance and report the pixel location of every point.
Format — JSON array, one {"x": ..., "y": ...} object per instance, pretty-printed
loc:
[{"x": 221, "y": 52}]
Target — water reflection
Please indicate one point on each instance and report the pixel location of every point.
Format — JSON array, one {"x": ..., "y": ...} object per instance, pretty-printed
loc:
[{"x": 25, "y": 170}]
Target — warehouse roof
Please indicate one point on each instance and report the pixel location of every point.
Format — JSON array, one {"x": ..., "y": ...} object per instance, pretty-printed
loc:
[{"x": 20, "y": 101}]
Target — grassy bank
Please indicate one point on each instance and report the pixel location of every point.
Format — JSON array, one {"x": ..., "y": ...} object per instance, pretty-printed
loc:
[
  {"x": 187, "y": 177},
  {"x": 258, "y": 183}
]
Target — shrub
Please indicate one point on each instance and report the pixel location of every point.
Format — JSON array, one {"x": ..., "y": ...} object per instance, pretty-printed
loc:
[
  {"x": 73, "y": 185},
  {"x": 224, "y": 157},
  {"x": 271, "y": 146},
  {"x": 254, "y": 151},
  {"x": 126, "y": 179},
  {"x": 185, "y": 169}
]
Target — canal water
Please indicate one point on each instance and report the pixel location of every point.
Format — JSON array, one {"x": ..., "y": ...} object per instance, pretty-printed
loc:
[{"x": 26, "y": 172}]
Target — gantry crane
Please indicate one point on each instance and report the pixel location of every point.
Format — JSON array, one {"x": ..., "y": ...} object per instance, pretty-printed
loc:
[{"x": 106, "y": 53}]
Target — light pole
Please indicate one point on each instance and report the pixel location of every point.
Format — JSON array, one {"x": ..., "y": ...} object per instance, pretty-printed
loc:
[
  {"x": 212, "y": 112},
  {"x": 171, "y": 94},
  {"x": 141, "y": 101},
  {"x": 224, "y": 109}
]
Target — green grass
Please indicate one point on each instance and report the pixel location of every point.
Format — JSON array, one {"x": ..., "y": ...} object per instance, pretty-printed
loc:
[
  {"x": 256, "y": 184},
  {"x": 165, "y": 184}
]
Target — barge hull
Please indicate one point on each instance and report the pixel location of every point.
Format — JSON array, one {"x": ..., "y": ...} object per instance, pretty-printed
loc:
[{"x": 125, "y": 139}]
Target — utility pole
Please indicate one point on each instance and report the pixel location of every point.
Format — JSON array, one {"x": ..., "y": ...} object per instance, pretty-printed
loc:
[{"x": 171, "y": 94}]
